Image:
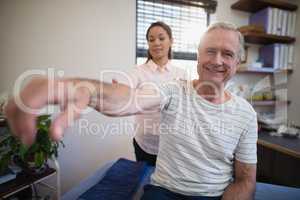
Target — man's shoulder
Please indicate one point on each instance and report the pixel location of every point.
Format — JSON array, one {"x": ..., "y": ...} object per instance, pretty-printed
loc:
[
  {"x": 178, "y": 83},
  {"x": 244, "y": 105},
  {"x": 175, "y": 86}
]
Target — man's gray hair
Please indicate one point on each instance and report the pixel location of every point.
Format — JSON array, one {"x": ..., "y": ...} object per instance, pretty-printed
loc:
[{"x": 230, "y": 27}]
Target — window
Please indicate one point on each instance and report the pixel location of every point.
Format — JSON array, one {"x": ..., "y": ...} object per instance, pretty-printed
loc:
[{"x": 188, "y": 20}]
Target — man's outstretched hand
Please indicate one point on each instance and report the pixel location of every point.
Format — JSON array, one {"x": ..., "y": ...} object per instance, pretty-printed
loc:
[{"x": 22, "y": 110}]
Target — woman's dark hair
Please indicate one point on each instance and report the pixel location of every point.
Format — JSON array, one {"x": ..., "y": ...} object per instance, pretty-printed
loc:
[{"x": 169, "y": 32}]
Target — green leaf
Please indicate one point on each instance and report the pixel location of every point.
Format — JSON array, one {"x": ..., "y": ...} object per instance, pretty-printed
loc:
[
  {"x": 43, "y": 118},
  {"x": 39, "y": 159},
  {"x": 4, "y": 161},
  {"x": 23, "y": 151}
]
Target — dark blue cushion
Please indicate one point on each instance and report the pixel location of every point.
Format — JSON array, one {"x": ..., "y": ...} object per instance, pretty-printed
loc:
[
  {"x": 266, "y": 191},
  {"x": 119, "y": 183}
]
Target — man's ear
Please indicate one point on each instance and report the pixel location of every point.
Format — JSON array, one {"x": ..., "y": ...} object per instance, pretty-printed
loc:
[{"x": 238, "y": 63}]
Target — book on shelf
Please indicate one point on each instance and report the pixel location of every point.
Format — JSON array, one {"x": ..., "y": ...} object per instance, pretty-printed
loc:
[
  {"x": 275, "y": 21},
  {"x": 277, "y": 56},
  {"x": 279, "y": 22},
  {"x": 269, "y": 56},
  {"x": 293, "y": 24},
  {"x": 290, "y": 64},
  {"x": 284, "y": 23},
  {"x": 262, "y": 18},
  {"x": 285, "y": 49}
]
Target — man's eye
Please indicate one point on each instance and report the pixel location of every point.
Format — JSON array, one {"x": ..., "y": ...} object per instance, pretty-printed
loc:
[
  {"x": 229, "y": 55},
  {"x": 211, "y": 52},
  {"x": 162, "y": 39},
  {"x": 151, "y": 40}
]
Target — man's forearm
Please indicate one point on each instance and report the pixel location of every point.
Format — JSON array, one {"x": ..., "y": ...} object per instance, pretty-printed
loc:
[
  {"x": 121, "y": 100},
  {"x": 239, "y": 190},
  {"x": 112, "y": 99}
]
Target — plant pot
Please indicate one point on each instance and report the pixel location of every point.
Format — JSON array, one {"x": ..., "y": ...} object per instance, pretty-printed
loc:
[{"x": 30, "y": 168}]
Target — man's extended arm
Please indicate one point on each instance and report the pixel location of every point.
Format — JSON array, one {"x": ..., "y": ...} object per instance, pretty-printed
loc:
[
  {"x": 73, "y": 96},
  {"x": 243, "y": 186}
]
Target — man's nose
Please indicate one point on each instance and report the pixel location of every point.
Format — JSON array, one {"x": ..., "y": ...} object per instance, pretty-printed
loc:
[{"x": 218, "y": 59}]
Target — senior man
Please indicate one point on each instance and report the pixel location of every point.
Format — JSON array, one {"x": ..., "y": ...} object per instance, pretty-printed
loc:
[{"x": 208, "y": 135}]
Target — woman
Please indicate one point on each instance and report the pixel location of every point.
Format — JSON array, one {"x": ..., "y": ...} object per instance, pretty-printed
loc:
[{"x": 157, "y": 69}]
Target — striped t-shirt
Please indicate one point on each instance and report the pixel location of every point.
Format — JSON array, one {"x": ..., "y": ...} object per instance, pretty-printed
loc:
[{"x": 199, "y": 141}]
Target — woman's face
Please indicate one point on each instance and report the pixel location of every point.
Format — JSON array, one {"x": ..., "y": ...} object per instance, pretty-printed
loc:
[{"x": 159, "y": 43}]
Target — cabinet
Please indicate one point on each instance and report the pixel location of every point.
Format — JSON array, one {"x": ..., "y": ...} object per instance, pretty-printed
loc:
[
  {"x": 263, "y": 38},
  {"x": 278, "y": 160}
]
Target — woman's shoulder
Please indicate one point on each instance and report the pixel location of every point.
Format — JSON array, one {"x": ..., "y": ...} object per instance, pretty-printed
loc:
[
  {"x": 137, "y": 69},
  {"x": 142, "y": 67}
]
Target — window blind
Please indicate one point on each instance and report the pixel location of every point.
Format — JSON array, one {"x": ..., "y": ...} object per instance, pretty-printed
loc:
[{"x": 187, "y": 19}]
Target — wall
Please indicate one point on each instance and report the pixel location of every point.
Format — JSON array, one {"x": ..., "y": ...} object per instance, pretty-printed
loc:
[{"x": 81, "y": 38}]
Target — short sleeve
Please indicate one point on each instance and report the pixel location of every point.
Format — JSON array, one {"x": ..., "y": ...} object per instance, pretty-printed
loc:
[{"x": 246, "y": 150}]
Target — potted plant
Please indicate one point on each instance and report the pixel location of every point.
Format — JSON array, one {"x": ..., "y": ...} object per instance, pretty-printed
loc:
[{"x": 31, "y": 159}]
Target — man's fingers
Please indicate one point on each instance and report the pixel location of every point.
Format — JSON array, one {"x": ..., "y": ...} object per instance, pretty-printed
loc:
[
  {"x": 22, "y": 125},
  {"x": 29, "y": 130},
  {"x": 66, "y": 119}
]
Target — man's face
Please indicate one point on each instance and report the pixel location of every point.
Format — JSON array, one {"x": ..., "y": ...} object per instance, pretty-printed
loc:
[{"x": 218, "y": 56}]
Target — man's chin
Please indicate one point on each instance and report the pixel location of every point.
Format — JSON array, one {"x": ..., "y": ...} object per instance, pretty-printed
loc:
[{"x": 216, "y": 81}]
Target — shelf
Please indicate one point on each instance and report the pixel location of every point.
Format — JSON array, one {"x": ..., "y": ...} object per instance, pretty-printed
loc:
[
  {"x": 269, "y": 103},
  {"x": 256, "y": 5},
  {"x": 263, "y": 38},
  {"x": 264, "y": 71}
]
